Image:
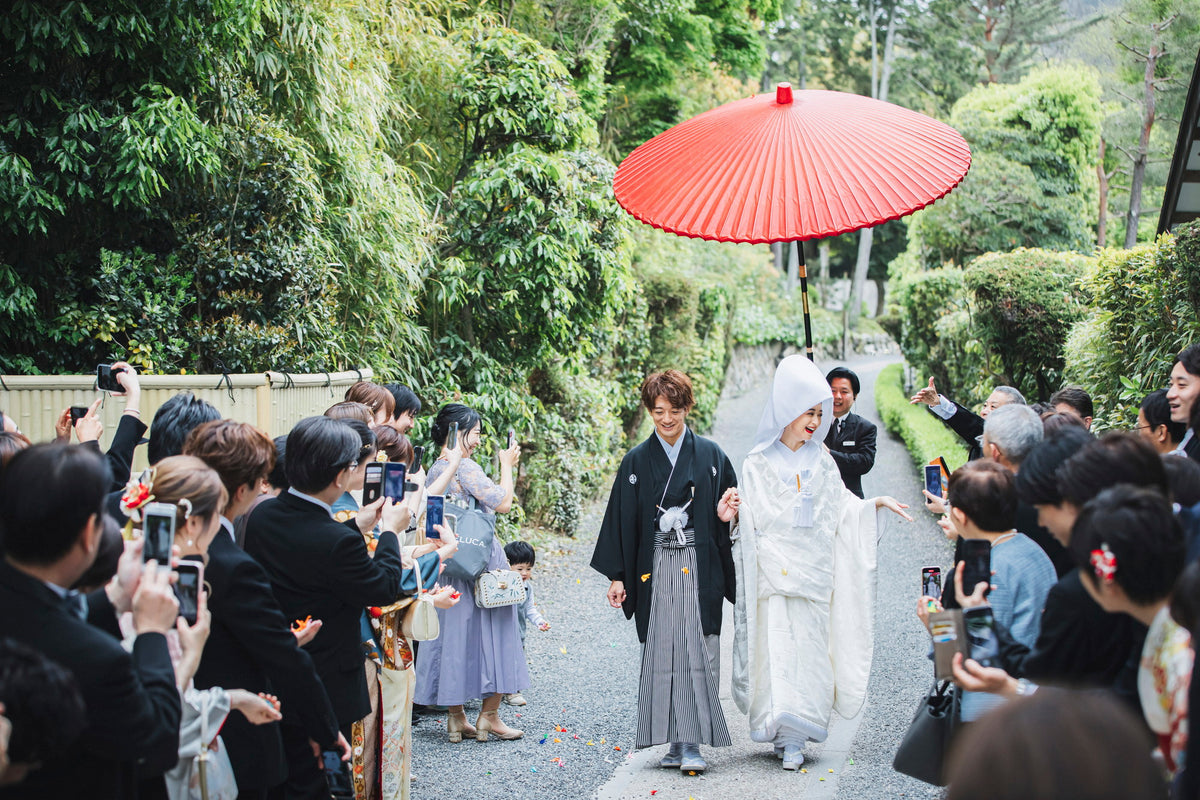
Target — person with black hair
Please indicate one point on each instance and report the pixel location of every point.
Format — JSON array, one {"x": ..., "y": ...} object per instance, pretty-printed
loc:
[
  {"x": 983, "y": 505},
  {"x": 42, "y": 703},
  {"x": 1183, "y": 478},
  {"x": 479, "y": 653},
  {"x": 173, "y": 422},
  {"x": 1074, "y": 400},
  {"x": 521, "y": 557},
  {"x": 407, "y": 407},
  {"x": 1154, "y": 423},
  {"x": 322, "y": 568},
  {"x": 346, "y": 506},
  {"x": 1130, "y": 551},
  {"x": 851, "y": 438},
  {"x": 50, "y": 519},
  {"x": 1182, "y": 391}
]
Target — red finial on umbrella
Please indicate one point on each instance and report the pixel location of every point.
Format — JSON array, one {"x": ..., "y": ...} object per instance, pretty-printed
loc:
[{"x": 783, "y": 94}]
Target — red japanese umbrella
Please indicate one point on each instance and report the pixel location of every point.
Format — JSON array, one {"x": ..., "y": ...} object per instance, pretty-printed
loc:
[{"x": 789, "y": 167}]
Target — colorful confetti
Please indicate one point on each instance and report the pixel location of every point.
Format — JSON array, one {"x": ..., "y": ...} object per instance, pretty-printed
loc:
[{"x": 686, "y": 571}]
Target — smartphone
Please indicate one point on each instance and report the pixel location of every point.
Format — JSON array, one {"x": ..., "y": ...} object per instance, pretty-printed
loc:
[
  {"x": 435, "y": 506},
  {"x": 78, "y": 413},
  {"x": 418, "y": 457},
  {"x": 933, "y": 480},
  {"x": 977, "y": 554},
  {"x": 984, "y": 647},
  {"x": 106, "y": 378},
  {"x": 931, "y": 582},
  {"x": 949, "y": 637},
  {"x": 452, "y": 436},
  {"x": 393, "y": 481},
  {"x": 158, "y": 532},
  {"x": 451, "y": 523},
  {"x": 372, "y": 483},
  {"x": 512, "y": 438},
  {"x": 187, "y": 589}
]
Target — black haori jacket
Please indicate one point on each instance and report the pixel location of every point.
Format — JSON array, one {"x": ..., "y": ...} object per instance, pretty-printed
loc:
[{"x": 625, "y": 547}]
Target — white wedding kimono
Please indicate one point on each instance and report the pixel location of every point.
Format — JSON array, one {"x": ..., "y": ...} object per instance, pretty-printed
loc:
[{"x": 805, "y": 595}]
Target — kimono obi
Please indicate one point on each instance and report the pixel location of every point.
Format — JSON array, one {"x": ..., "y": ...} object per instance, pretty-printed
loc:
[{"x": 672, "y": 538}]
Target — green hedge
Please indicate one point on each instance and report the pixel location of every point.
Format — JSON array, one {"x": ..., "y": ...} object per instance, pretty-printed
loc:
[{"x": 924, "y": 434}]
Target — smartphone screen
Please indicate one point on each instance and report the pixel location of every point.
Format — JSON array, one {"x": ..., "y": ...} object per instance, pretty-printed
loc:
[
  {"x": 372, "y": 483},
  {"x": 933, "y": 479},
  {"x": 512, "y": 438},
  {"x": 452, "y": 436},
  {"x": 418, "y": 458},
  {"x": 393, "y": 481},
  {"x": 435, "y": 505},
  {"x": 187, "y": 590},
  {"x": 977, "y": 553},
  {"x": 78, "y": 413},
  {"x": 158, "y": 534},
  {"x": 106, "y": 378},
  {"x": 931, "y": 582},
  {"x": 981, "y": 635}
]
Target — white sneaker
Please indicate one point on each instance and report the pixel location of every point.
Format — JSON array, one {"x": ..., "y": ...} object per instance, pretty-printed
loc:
[{"x": 515, "y": 699}]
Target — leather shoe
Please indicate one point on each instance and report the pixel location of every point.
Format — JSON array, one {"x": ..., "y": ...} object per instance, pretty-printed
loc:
[
  {"x": 674, "y": 757},
  {"x": 692, "y": 762}
]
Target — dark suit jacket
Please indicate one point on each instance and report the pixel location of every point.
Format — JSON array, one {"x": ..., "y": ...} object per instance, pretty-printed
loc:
[
  {"x": 1192, "y": 448},
  {"x": 855, "y": 452},
  {"x": 251, "y": 648},
  {"x": 132, "y": 704},
  {"x": 1079, "y": 643},
  {"x": 322, "y": 568},
  {"x": 969, "y": 426},
  {"x": 120, "y": 452}
]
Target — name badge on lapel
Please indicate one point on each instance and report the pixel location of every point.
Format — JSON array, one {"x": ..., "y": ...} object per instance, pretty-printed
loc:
[{"x": 848, "y": 443}]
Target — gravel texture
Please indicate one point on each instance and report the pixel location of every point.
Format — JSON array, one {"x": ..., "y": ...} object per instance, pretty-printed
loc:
[{"x": 584, "y": 675}]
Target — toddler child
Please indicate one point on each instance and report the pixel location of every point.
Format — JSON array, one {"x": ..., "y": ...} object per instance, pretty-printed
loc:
[{"x": 521, "y": 558}]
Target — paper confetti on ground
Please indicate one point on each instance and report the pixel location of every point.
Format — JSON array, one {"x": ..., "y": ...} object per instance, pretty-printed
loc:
[{"x": 563, "y": 650}]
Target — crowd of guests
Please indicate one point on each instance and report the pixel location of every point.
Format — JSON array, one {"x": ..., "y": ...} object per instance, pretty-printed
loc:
[
  {"x": 1094, "y": 593},
  {"x": 286, "y": 672}
]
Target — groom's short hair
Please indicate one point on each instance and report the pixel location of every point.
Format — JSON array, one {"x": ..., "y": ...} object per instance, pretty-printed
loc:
[{"x": 671, "y": 384}]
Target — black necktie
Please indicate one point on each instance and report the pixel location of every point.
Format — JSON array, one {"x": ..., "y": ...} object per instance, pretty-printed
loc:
[
  {"x": 76, "y": 604},
  {"x": 840, "y": 424}
]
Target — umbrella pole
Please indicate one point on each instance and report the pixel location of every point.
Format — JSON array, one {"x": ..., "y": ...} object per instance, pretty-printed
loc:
[{"x": 808, "y": 342}]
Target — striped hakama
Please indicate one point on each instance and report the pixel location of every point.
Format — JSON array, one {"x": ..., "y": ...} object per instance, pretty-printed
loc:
[{"x": 678, "y": 693}]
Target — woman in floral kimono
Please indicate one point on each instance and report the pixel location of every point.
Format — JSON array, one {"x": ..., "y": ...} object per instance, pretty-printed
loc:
[{"x": 804, "y": 549}]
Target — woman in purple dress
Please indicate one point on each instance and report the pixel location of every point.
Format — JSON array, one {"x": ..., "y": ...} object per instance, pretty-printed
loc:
[{"x": 478, "y": 653}]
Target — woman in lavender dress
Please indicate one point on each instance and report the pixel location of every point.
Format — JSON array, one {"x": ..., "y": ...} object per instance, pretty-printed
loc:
[{"x": 478, "y": 653}]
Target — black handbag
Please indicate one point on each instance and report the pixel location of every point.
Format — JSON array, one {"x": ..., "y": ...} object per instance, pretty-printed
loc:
[
  {"x": 475, "y": 530},
  {"x": 922, "y": 752}
]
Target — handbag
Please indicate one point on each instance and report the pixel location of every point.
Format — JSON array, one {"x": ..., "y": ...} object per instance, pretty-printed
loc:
[
  {"x": 476, "y": 531},
  {"x": 202, "y": 773},
  {"x": 922, "y": 751},
  {"x": 419, "y": 622},
  {"x": 500, "y": 587}
]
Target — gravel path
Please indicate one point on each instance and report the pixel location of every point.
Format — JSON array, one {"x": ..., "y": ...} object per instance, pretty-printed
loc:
[{"x": 584, "y": 677}]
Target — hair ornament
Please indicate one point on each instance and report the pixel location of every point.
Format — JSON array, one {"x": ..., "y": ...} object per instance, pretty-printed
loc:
[
  {"x": 186, "y": 505},
  {"x": 1104, "y": 563}
]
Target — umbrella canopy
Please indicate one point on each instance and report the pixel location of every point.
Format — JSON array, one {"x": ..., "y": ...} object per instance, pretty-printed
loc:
[{"x": 791, "y": 166}]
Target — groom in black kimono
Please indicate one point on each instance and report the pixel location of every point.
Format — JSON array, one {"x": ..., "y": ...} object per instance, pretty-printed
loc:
[{"x": 665, "y": 546}]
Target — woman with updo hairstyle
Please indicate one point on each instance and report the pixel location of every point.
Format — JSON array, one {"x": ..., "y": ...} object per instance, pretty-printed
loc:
[
  {"x": 11, "y": 443},
  {"x": 199, "y": 496},
  {"x": 1130, "y": 550},
  {"x": 375, "y": 397},
  {"x": 479, "y": 651},
  {"x": 348, "y": 409}
]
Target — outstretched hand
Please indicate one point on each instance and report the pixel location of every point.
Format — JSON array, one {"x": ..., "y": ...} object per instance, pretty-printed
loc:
[
  {"x": 928, "y": 395},
  {"x": 893, "y": 505}
]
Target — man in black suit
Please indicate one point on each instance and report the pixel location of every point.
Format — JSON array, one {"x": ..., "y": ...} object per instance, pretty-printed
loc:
[
  {"x": 51, "y": 520},
  {"x": 322, "y": 568},
  {"x": 251, "y": 645},
  {"x": 966, "y": 424},
  {"x": 1182, "y": 391},
  {"x": 851, "y": 439}
]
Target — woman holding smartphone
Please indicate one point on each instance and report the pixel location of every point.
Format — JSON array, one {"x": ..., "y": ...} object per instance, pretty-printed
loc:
[
  {"x": 195, "y": 492},
  {"x": 804, "y": 549},
  {"x": 479, "y": 652}
]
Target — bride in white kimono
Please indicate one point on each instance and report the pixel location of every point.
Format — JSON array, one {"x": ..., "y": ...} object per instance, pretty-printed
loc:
[{"x": 804, "y": 549}]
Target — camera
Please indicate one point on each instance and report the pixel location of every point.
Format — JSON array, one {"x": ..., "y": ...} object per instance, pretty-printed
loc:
[{"x": 106, "y": 378}]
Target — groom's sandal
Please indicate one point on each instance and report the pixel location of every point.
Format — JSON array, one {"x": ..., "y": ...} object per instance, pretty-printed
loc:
[
  {"x": 674, "y": 757},
  {"x": 692, "y": 762}
]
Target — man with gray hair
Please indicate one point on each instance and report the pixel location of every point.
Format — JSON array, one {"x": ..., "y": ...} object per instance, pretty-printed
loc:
[
  {"x": 1009, "y": 433},
  {"x": 963, "y": 422}
]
